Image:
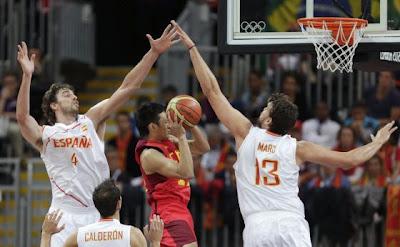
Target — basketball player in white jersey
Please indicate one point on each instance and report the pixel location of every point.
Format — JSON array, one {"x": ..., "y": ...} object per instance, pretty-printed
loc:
[
  {"x": 267, "y": 167},
  {"x": 108, "y": 231},
  {"x": 71, "y": 145}
]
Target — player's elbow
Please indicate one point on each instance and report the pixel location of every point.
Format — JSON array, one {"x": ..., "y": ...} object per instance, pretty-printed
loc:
[
  {"x": 22, "y": 118},
  {"x": 351, "y": 162},
  {"x": 187, "y": 174}
]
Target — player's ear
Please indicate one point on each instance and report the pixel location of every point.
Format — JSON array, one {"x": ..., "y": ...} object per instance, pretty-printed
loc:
[
  {"x": 152, "y": 127},
  {"x": 53, "y": 106},
  {"x": 119, "y": 203}
]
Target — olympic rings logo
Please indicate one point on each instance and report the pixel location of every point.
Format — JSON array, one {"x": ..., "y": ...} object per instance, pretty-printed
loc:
[{"x": 253, "y": 26}]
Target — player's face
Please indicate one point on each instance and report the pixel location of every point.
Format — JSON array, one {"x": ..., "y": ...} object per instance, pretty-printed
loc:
[
  {"x": 264, "y": 119},
  {"x": 67, "y": 101},
  {"x": 163, "y": 126}
]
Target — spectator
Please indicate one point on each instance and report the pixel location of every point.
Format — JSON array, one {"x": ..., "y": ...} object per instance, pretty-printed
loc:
[
  {"x": 321, "y": 129},
  {"x": 167, "y": 93},
  {"x": 330, "y": 177},
  {"x": 370, "y": 198},
  {"x": 362, "y": 124},
  {"x": 290, "y": 86},
  {"x": 127, "y": 172},
  {"x": 8, "y": 104},
  {"x": 346, "y": 142},
  {"x": 383, "y": 97},
  {"x": 229, "y": 205},
  {"x": 254, "y": 99},
  {"x": 125, "y": 142}
]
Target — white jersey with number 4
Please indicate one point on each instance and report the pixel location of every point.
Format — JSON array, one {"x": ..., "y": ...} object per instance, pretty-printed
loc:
[
  {"x": 267, "y": 174},
  {"x": 75, "y": 162},
  {"x": 105, "y": 233}
]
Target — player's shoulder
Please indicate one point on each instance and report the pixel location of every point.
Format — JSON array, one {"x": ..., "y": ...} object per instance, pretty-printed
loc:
[
  {"x": 149, "y": 152},
  {"x": 136, "y": 237}
]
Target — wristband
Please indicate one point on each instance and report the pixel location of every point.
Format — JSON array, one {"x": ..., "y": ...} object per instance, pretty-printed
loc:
[{"x": 191, "y": 47}]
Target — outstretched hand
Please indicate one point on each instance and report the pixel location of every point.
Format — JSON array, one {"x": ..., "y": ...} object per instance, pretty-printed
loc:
[
  {"x": 183, "y": 36},
  {"x": 384, "y": 133},
  {"x": 155, "y": 231},
  {"x": 27, "y": 64},
  {"x": 50, "y": 223},
  {"x": 166, "y": 40}
]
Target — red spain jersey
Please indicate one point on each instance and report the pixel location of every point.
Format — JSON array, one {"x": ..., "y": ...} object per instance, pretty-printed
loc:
[{"x": 168, "y": 197}]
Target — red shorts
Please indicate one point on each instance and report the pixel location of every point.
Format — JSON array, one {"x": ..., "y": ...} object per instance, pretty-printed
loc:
[{"x": 178, "y": 224}]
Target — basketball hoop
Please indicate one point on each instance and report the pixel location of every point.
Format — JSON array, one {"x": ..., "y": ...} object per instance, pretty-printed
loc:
[{"x": 335, "y": 40}]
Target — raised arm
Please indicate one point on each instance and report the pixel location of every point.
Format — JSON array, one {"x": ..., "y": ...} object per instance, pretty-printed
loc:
[
  {"x": 30, "y": 128},
  {"x": 308, "y": 151},
  {"x": 133, "y": 80},
  {"x": 50, "y": 227},
  {"x": 200, "y": 143},
  {"x": 236, "y": 122},
  {"x": 153, "y": 161}
]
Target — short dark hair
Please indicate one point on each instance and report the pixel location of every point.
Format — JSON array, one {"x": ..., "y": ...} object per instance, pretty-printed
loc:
[
  {"x": 283, "y": 113},
  {"x": 257, "y": 73},
  {"x": 122, "y": 113},
  {"x": 105, "y": 197},
  {"x": 342, "y": 128},
  {"x": 359, "y": 104},
  {"x": 8, "y": 73},
  {"x": 50, "y": 97},
  {"x": 148, "y": 113}
]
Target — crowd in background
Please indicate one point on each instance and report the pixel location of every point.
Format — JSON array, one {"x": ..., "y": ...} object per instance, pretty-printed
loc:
[{"x": 340, "y": 205}]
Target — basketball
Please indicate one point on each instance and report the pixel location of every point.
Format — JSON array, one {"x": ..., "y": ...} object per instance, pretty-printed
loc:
[{"x": 187, "y": 108}]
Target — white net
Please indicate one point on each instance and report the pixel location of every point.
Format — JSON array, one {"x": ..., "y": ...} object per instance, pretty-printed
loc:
[{"x": 335, "y": 41}]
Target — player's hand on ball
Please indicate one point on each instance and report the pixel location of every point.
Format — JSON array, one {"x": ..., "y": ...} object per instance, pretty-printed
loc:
[
  {"x": 166, "y": 40},
  {"x": 186, "y": 40},
  {"x": 155, "y": 231},
  {"x": 176, "y": 128}
]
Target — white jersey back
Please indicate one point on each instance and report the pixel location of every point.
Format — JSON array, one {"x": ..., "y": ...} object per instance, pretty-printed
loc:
[
  {"x": 75, "y": 162},
  {"x": 267, "y": 174},
  {"x": 105, "y": 233}
]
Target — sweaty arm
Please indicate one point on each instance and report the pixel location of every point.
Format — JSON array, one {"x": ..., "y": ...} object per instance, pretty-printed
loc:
[
  {"x": 153, "y": 161},
  {"x": 132, "y": 81},
  {"x": 235, "y": 121},
  {"x": 29, "y": 127},
  {"x": 137, "y": 238},
  {"x": 72, "y": 240},
  {"x": 307, "y": 151},
  {"x": 200, "y": 144}
]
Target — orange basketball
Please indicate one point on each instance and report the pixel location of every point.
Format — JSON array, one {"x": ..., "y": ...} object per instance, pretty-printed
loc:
[{"x": 187, "y": 108}]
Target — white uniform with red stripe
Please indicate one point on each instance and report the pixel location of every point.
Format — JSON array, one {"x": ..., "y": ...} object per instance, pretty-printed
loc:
[
  {"x": 267, "y": 185},
  {"x": 105, "y": 233},
  {"x": 76, "y": 164}
]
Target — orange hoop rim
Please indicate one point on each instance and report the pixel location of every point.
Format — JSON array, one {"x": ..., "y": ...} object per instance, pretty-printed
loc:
[{"x": 333, "y": 22}]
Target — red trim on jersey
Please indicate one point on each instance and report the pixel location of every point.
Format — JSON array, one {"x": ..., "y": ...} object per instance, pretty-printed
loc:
[
  {"x": 76, "y": 125},
  {"x": 272, "y": 133},
  {"x": 71, "y": 195}
]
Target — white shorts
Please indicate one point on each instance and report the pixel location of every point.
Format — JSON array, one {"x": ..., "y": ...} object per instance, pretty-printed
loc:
[
  {"x": 73, "y": 218},
  {"x": 277, "y": 229}
]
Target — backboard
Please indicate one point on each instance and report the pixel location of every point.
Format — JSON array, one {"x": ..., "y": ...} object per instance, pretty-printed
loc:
[{"x": 270, "y": 26}]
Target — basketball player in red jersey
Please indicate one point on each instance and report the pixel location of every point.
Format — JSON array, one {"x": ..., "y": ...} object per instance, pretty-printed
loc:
[{"x": 166, "y": 170}]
